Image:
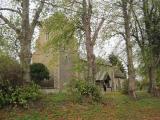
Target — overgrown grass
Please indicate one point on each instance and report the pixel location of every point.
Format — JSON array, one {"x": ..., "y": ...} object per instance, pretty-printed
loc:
[
  {"x": 115, "y": 106},
  {"x": 58, "y": 98},
  {"x": 33, "y": 116},
  {"x": 145, "y": 107}
]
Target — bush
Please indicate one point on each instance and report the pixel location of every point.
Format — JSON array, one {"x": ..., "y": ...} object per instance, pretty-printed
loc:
[
  {"x": 11, "y": 89},
  {"x": 39, "y": 72},
  {"x": 19, "y": 95},
  {"x": 10, "y": 70},
  {"x": 84, "y": 91}
]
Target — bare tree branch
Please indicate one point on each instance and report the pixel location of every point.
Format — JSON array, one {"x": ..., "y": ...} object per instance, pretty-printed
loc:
[
  {"x": 95, "y": 35},
  {"x": 11, "y": 25},
  {"x": 36, "y": 16},
  {"x": 140, "y": 28},
  {"x": 12, "y": 10},
  {"x": 70, "y": 9}
]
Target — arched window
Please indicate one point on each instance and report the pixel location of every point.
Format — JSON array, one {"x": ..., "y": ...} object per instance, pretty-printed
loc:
[{"x": 67, "y": 58}]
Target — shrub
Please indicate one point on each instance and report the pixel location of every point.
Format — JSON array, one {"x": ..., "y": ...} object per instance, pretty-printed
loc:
[
  {"x": 84, "y": 91},
  {"x": 10, "y": 70},
  {"x": 11, "y": 89},
  {"x": 39, "y": 72},
  {"x": 19, "y": 95}
]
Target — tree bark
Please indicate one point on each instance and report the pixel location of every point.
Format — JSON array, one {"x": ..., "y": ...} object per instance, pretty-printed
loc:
[
  {"x": 126, "y": 8},
  {"x": 25, "y": 42},
  {"x": 91, "y": 63},
  {"x": 25, "y": 60},
  {"x": 86, "y": 19},
  {"x": 89, "y": 49},
  {"x": 24, "y": 33},
  {"x": 89, "y": 39},
  {"x": 152, "y": 78}
]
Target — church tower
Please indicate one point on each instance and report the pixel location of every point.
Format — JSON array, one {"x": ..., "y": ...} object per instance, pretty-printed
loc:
[{"x": 60, "y": 62}]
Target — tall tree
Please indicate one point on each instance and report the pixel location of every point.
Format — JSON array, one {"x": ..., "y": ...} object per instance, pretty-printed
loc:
[
  {"x": 151, "y": 11},
  {"x": 89, "y": 39},
  {"x": 24, "y": 30},
  {"x": 147, "y": 34},
  {"x": 126, "y": 9}
]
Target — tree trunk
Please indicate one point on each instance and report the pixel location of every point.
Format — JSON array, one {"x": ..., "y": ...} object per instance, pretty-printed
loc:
[
  {"x": 25, "y": 53},
  {"x": 126, "y": 8},
  {"x": 89, "y": 38},
  {"x": 152, "y": 79},
  {"x": 89, "y": 49},
  {"x": 151, "y": 25},
  {"x": 25, "y": 60},
  {"x": 24, "y": 32},
  {"x": 131, "y": 77},
  {"x": 86, "y": 20},
  {"x": 91, "y": 63}
]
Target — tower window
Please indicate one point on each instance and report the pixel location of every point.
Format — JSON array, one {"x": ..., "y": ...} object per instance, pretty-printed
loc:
[{"x": 67, "y": 59}]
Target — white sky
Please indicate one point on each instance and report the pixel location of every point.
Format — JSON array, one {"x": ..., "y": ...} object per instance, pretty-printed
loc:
[{"x": 115, "y": 45}]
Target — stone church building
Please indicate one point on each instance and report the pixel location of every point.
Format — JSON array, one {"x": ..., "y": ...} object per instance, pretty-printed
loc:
[{"x": 63, "y": 64}]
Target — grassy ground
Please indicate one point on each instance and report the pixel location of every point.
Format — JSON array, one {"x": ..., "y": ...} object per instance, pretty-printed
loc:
[{"x": 60, "y": 107}]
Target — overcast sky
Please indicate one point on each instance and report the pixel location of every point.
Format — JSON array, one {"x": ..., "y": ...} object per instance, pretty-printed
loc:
[{"x": 115, "y": 44}]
